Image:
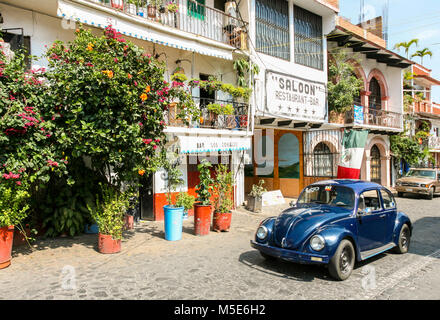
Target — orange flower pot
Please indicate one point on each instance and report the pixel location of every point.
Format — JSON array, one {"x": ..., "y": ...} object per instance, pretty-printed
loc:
[
  {"x": 6, "y": 239},
  {"x": 108, "y": 245},
  {"x": 202, "y": 220},
  {"x": 222, "y": 221}
]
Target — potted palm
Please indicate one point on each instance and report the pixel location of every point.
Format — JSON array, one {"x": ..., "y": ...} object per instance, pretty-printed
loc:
[
  {"x": 13, "y": 210},
  {"x": 203, "y": 208},
  {"x": 223, "y": 195},
  {"x": 255, "y": 200},
  {"x": 109, "y": 214},
  {"x": 173, "y": 212},
  {"x": 186, "y": 201}
]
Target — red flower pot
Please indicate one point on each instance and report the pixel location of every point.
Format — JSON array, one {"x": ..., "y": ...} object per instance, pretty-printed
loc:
[
  {"x": 6, "y": 239},
  {"x": 108, "y": 245},
  {"x": 202, "y": 220},
  {"x": 222, "y": 221},
  {"x": 129, "y": 222}
]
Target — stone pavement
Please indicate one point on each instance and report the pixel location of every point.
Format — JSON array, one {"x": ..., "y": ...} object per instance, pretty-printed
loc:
[{"x": 218, "y": 266}]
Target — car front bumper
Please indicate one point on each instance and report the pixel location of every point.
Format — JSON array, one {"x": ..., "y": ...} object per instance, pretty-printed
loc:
[
  {"x": 290, "y": 255},
  {"x": 417, "y": 190}
]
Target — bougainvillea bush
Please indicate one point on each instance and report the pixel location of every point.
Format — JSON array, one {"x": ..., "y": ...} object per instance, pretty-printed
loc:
[{"x": 109, "y": 103}]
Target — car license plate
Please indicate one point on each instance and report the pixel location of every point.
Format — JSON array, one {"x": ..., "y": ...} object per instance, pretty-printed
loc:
[{"x": 409, "y": 190}]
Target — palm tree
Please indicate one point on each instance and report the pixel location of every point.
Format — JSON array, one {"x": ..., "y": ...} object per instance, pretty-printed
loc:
[
  {"x": 406, "y": 45},
  {"x": 422, "y": 53}
]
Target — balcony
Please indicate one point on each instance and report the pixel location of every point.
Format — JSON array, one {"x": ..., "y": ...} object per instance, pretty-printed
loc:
[
  {"x": 369, "y": 118},
  {"x": 191, "y": 17},
  {"x": 210, "y": 120},
  {"x": 434, "y": 143}
]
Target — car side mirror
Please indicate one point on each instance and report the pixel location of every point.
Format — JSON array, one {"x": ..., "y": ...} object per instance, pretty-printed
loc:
[{"x": 292, "y": 203}]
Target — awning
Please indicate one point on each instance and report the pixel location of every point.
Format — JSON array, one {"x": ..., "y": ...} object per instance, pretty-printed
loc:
[
  {"x": 203, "y": 144},
  {"x": 136, "y": 27}
]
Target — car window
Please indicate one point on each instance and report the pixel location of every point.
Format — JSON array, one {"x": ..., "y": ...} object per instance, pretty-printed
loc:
[
  {"x": 388, "y": 200},
  {"x": 369, "y": 200}
]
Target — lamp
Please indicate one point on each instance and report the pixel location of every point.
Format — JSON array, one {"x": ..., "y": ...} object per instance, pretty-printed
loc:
[{"x": 1, "y": 19}]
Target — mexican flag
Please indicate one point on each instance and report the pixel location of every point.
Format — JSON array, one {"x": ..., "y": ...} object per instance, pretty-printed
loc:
[{"x": 353, "y": 145}]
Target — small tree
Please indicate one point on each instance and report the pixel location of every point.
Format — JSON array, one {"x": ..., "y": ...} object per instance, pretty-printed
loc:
[
  {"x": 174, "y": 178},
  {"x": 204, "y": 188},
  {"x": 223, "y": 189},
  {"x": 343, "y": 86}
]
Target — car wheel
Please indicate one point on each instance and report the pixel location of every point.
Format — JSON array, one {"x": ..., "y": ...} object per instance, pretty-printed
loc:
[
  {"x": 342, "y": 264},
  {"x": 267, "y": 257},
  {"x": 404, "y": 240},
  {"x": 431, "y": 194},
  {"x": 400, "y": 194}
]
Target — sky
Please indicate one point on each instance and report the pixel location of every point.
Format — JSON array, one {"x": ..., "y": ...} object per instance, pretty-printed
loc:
[{"x": 408, "y": 19}]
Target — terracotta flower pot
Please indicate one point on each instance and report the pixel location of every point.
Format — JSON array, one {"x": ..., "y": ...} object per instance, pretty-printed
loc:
[
  {"x": 6, "y": 239},
  {"x": 108, "y": 245},
  {"x": 202, "y": 220},
  {"x": 128, "y": 222},
  {"x": 221, "y": 221},
  {"x": 151, "y": 11}
]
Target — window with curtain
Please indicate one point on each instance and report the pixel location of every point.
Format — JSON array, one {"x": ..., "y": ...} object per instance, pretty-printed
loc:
[
  {"x": 272, "y": 28},
  {"x": 308, "y": 39},
  {"x": 196, "y": 9}
]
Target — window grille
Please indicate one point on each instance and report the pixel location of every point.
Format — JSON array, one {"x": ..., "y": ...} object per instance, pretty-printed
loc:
[
  {"x": 308, "y": 39},
  {"x": 272, "y": 28}
]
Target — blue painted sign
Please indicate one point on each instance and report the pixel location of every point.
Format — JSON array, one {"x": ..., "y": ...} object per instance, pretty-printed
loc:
[{"x": 358, "y": 115}]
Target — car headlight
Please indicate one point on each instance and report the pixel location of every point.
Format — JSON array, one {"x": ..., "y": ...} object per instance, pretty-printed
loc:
[
  {"x": 262, "y": 232},
  {"x": 424, "y": 185},
  {"x": 317, "y": 243}
]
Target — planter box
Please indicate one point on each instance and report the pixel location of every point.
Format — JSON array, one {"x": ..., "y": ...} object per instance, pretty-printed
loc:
[{"x": 255, "y": 204}]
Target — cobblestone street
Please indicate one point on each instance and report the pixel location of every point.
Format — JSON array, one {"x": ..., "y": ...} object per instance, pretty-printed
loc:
[{"x": 218, "y": 266}]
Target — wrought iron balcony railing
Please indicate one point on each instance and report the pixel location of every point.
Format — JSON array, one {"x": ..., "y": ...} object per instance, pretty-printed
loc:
[
  {"x": 360, "y": 115},
  {"x": 208, "y": 119},
  {"x": 191, "y": 16}
]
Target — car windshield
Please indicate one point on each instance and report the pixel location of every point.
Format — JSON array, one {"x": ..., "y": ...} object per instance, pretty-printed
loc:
[
  {"x": 421, "y": 174},
  {"x": 330, "y": 195}
]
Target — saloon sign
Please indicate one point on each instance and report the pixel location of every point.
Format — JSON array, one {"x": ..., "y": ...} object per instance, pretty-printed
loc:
[{"x": 294, "y": 98}]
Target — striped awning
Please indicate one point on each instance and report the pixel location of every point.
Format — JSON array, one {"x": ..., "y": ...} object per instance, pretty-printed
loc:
[
  {"x": 203, "y": 144},
  {"x": 135, "y": 27}
]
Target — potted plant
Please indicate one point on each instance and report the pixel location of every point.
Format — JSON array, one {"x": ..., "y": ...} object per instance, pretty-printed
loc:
[
  {"x": 140, "y": 7},
  {"x": 255, "y": 202},
  {"x": 202, "y": 208},
  {"x": 224, "y": 198},
  {"x": 132, "y": 6},
  {"x": 173, "y": 212},
  {"x": 13, "y": 210},
  {"x": 186, "y": 201},
  {"x": 172, "y": 7},
  {"x": 219, "y": 113},
  {"x": 152, "y": 8},
  {"x": 117, "y": 4},
  {"x": 109, "y": 214}
]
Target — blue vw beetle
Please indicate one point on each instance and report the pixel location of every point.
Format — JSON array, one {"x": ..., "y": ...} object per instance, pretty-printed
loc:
[{"x": 336, "y": 223}]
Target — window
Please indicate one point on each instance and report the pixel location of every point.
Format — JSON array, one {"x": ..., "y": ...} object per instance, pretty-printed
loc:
[
  {"x": 322, "y": 161},
  {"x": 328, "y": 195},
  {"x": 308, "y": 39},
  {"x": 388, "y": 200},
  {"x": 369, "y": 200},
  {"x": 272, "y": 28},
  {"x": 375, "y": 96},
  {"x": 17, "y": 42}
]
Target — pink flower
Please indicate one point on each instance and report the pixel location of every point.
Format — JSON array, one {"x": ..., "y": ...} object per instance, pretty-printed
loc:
[
  {"x": 154, "y": 147},
  {"x": 140, "y": 124},
  {"x": 147, "y": 141},
  {"x": 18, "y": 183}
]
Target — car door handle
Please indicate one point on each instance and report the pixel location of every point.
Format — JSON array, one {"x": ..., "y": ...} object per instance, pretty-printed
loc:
[{"x": 382, "y": 216}]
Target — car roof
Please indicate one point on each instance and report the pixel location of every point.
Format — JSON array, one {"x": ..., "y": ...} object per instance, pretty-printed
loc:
[
  {"x": 424, "y": 169},
  {"x": 357, "y": 185}
]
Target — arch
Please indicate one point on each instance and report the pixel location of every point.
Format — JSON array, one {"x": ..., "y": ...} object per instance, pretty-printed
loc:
[
  {"x": 381, "y": 144},
  {"x": 289, "y": 156},
  {"x": 378, "y": 75},
  {"x": 359, "y": 72},
  {"x": 384, "y": 150}
]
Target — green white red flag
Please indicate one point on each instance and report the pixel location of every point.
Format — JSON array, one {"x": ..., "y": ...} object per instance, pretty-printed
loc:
[{"x": 352, "y": 153}]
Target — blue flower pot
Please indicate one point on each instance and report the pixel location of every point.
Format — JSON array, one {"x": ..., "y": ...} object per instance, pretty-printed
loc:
[
  {"x": 91, "y": 229},
  {"x": 173, "y": 223}
]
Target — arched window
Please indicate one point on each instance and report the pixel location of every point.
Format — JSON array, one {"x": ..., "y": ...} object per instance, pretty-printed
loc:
[
  {"x": 322, "y": 161},
  {"x": 376, "y": 95},
  {"x": 375, "y": 165}
]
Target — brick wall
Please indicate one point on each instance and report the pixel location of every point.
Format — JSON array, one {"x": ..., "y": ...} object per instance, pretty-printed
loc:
[{"x": 347, "y": 25}]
